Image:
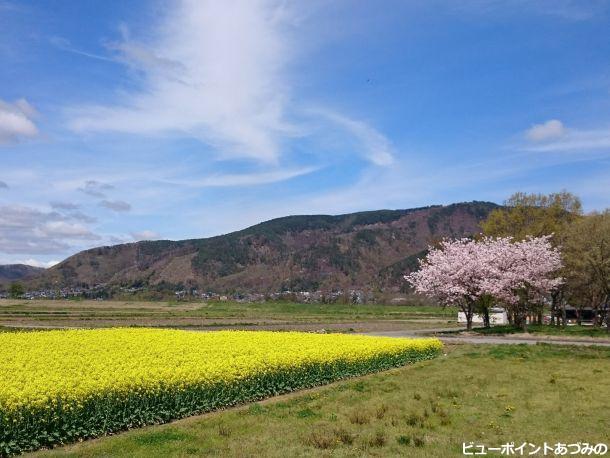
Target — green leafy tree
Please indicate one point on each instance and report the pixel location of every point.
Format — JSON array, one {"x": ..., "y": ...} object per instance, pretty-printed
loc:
[
  {"x": 16, "y": 290},
  {"x": 537, "y": 215},
  {"x": 534, "y": 214},
  {"x": 586, "y": 252}
]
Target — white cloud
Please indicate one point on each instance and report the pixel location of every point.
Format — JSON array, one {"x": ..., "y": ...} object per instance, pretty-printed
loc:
[
  {"x": 218, "y": 72},
  {"x": 213, "y": 72},
  {"x": 37, "y": 263},
  {"x": 553, "y": 136},
  {"x": 16, "y": 121},
  {"x": 64, "y": 229},
  {"x": 28, "y": 262},
  {"x": 574, "y": 140},
  {"x": 145, "y": 235},
  {"x": 372, "y": 144},
  {"x": 65, "y": 45},
  {"x": 30, "y": 231},
  {"x": 116, "y": 205},
  {"x": 251, "y": 179},
  {"x": 550, "y": 130}
]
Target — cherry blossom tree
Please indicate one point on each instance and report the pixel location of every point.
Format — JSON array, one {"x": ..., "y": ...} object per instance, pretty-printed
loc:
[
  {"x": 454, "y": 274},
  {"x": 467, "y": 273},
  {"x": 523, "y": 273}
]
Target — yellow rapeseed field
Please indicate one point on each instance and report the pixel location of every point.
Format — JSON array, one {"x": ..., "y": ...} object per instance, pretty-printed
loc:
[{"x": 64, "y": 385}]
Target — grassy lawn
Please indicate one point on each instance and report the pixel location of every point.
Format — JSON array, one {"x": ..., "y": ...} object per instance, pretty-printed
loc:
[
  {"x": 277, "y": 315},
  {"x": 568, "y": 331},
  {"x": 486, "y": 394}
]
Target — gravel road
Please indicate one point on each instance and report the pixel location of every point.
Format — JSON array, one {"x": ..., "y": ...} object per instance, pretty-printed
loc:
[{"x": 530, "y": 340}]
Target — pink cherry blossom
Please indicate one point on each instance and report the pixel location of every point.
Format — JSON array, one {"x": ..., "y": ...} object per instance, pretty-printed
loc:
[{"x": 462, "y": 272}]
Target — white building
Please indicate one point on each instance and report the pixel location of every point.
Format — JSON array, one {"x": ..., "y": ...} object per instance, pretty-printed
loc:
[{"x": 497, "y": 315}]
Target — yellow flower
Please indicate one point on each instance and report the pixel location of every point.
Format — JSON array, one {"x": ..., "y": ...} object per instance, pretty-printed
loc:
[{"x": 41, "y": 369}]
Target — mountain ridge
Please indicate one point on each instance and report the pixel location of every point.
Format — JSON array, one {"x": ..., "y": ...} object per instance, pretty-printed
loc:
[
  {"x": 17, "y": 272},
  {"x": 299, "y": 252}
]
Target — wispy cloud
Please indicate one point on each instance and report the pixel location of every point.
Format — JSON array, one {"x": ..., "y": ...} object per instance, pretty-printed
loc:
[
  {"x": 214, "y": 73},
  {"x": 553, "y": 136},
  {"x": 218, "y": 72},
  {"x": 65, "y": 45},
  {"x": 80, "y": 216},
  {"x": 95, "y": 188},
  {"x": 17, "y": 121},
  {"x": 116, "y": 205},
  {"x": 251, "y": 179},
  {"x": 549, "y": 130},
  {"x": 30, "y": 231},
  {"x": 3, "y": 185},
  {"x": 371, "y": 144},
  {"x": 63, "y": 205}
]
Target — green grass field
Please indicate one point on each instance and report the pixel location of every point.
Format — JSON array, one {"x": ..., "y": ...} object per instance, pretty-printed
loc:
[
  {"x": 211, "y": 315},
  {"x": 568, "y": 331},
  {"x": 486, "y": 394}
]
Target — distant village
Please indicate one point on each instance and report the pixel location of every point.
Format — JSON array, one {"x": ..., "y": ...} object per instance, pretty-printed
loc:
[{"x": 101, "y": 292}]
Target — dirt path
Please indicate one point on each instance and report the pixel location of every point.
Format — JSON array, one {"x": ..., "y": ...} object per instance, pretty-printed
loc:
[
  {"x": 388, "y": 328},
  {"x": 530, "y": 339}
]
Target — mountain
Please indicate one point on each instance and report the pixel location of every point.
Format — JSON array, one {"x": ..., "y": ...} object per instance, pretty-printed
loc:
[
  {"x": 370, "y": 250},
  {"x": 16, "y": 272}
]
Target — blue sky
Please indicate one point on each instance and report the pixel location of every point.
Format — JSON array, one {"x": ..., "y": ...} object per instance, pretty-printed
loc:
[{"x": 123, "y": 121}]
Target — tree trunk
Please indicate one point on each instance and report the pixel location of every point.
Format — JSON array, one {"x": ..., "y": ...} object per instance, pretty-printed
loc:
[
  {"x": 486, "y": 317},
  {"x": 554, "y": 297},
  {"x": 607, "y": 316},
  {"x": 597, "y": 319},
  {"x": 468, "y": 310},
  {"x": 522, "y": 317},
  {"x": 516, "y": 321}
]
